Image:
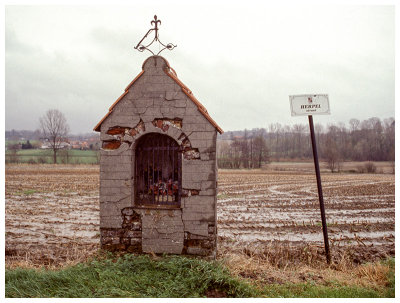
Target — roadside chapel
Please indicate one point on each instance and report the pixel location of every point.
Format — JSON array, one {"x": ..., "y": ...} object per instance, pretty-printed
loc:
[{"x": 158, "y": 170}]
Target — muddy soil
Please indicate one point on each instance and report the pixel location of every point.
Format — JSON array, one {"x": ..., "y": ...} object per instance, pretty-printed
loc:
[
  {"x": 265, "y": 207},
  {"x": 52, "y": 212}
]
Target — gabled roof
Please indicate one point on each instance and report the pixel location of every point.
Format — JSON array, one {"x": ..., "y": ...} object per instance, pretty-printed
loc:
[
  {"x": 97, "y": 127},
  {"x": 172, "y": 74}
]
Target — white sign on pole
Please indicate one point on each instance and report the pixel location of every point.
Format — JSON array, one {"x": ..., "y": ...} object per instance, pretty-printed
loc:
[{"x": 305, "y": 105}]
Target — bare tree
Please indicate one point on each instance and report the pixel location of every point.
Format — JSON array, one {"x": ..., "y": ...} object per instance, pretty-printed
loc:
[
  {"x": 13, "y": 156},
  {"x": 368, "y": 140},
  {"x": 236, "y": 153},
  {"x": 223, "y": 154},
  {"x": 331, "y": 151},
  {"x": 261, "y": 151},
  {"x": 54, "y": 128},
  {"x": 354, "y": 124}
]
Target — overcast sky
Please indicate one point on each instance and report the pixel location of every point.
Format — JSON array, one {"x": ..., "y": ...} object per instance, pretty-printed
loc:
[{"x": 241, "y": 62}]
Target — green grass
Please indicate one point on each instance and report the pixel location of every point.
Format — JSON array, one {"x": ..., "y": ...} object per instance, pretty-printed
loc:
[
  {"x": 333, "y": 289},
  {"x": 128, "y": 276},
  {"x": 169, "y": 276},
  {"x": 311, "y": 290},
  {"x": 222, "y": 196},
  {"x": 390, "y": 291},
  {"x": 46, "y": 156},
  {"x": 27, "y": 192}
]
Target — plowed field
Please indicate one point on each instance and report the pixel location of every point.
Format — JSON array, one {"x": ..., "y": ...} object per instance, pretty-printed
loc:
[
  {"x": 52, "y": 212},
  {"x": 263, "y": 207}
]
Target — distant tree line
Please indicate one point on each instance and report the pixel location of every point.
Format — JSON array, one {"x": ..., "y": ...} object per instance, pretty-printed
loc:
[
  {"x": 16, "y": 135},
  {"x": 369, "y": 140},
  {"x": 249, "y": 151},
  {"x": 37, "y": 135}
]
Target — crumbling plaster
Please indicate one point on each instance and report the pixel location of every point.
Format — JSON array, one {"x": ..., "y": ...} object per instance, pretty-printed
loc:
[{"x": 155, "y": 103}]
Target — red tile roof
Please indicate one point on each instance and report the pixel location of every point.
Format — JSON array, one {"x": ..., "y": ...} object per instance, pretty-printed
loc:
[{"x": 172, "y": 74}]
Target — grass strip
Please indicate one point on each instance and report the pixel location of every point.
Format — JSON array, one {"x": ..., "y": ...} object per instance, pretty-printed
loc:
[
  {"x": 129, "y": 276},
  {"x": 169, "y": 277},
  {"x": 311, "y": 290}
]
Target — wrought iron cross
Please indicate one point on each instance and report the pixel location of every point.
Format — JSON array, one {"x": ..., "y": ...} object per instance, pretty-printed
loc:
[{"x": 141, "y": 47}]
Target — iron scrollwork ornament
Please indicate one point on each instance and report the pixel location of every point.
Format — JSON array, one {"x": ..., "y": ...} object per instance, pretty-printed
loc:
[{"x": 142, "y": 47}]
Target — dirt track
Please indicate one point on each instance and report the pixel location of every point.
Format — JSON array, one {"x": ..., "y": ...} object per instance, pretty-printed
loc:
[{"x": 52, "y": 212}]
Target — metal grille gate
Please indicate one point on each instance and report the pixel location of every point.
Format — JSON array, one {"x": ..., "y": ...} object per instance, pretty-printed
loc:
[{"x": 158, "y": 163}]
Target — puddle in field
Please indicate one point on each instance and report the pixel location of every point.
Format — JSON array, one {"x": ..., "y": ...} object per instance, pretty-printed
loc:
[
  {"x": 251, "y": 236},
  {"x": 50, "y": 218},
  {"x": 304, "y": 215}
]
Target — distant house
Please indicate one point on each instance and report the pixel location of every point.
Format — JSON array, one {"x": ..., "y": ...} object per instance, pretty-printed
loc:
[
  {"x": 47, "y": 145},
  {"x": 75, "y": 145},
  {"x": 79, "y": 145},
  {"x": 84, "y": 145}
]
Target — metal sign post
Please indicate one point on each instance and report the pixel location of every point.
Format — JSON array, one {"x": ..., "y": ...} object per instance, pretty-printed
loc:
[
  {"x": 321, "y": 197},
  {"x": 310, "y": 105}
]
